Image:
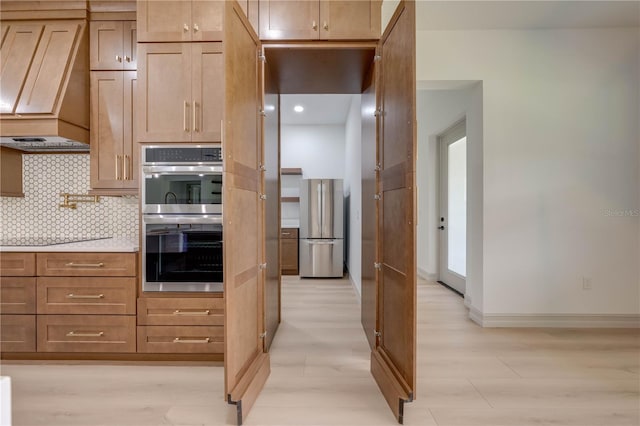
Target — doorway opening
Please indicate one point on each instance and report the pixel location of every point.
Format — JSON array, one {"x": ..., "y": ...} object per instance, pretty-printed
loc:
[{"x": 452, "y": 145}]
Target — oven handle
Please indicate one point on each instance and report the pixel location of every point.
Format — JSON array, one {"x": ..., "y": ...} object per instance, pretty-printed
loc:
[
  {"x": 181, "y": 170},
  {"x": 182, "y": 219}
]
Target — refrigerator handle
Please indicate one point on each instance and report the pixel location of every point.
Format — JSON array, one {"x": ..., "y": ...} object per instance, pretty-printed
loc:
[{"x": 320, "y": 207}]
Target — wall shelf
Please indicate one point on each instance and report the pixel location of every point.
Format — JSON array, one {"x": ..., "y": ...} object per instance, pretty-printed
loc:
[{"x": 291, "y": 171}]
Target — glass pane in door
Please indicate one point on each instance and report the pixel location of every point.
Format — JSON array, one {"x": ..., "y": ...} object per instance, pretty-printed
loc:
[{"x": 457, "y": 197}]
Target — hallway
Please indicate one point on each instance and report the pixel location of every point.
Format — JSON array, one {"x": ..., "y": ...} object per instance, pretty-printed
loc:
[{"x": 467, "y": 376}]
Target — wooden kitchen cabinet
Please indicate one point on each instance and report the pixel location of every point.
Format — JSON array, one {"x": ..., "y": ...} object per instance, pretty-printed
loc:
[
  {"x": 198, "y": 20},
  {"x": 114, "y": 153},
  {"x": 86, "y": 333},
  {"x": 289, "y": 250},
  {"x": 17, "y": 302},
  {"x": 113, "y": 45},
  {"x": 10, "y": 173},
  {"x": 87, "y": 264},
  {"x": 180, "y": 92},
  {"x": 18, "y": 333},
  {"x": 181, "y": 325},
  {"x": 320, "y": 20},
  {"x": 17, "y": 295}
]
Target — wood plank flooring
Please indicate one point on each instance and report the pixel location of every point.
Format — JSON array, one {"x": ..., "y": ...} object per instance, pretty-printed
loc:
[{"x": 467, "y": 375}]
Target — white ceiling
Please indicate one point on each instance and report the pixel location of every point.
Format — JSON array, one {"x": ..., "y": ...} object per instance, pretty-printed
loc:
[
  {"x": 523, "y": 14},
  {"x": 318, "y": 109}
]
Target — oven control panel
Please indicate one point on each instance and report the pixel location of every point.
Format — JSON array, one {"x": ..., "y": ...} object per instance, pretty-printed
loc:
[{"x": 182, "y": 155}]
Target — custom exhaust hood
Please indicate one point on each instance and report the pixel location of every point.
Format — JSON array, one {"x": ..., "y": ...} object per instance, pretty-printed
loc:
[{"x": 44, "y": 86}]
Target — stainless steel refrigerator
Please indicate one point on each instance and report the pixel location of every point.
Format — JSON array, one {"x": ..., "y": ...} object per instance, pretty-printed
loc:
[{"x": 321, "y": 228}]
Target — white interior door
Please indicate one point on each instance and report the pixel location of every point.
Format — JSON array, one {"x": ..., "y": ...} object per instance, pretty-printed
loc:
[{"x": 453, "y": 207}]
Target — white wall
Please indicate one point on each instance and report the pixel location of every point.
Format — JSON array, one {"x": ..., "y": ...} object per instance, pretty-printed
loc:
[
  {"x": 353, "y": 191},
  {"x": 317, "y": 149},
  {"x": 437, "y": 110},
  {"x": 561, "y": 150}
]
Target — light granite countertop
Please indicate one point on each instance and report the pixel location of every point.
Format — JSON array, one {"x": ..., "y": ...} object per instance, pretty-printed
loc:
[{"x": 115, "y": 245}]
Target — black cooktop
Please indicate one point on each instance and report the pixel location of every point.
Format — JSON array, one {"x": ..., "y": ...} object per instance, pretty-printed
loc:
[{"x": 44, "y": 241}]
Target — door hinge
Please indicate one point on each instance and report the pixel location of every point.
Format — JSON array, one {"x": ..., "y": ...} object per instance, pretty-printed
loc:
[
  {"x": 262, "y": 266},
  {"x": 377, "y": 197},
  {"x": 378, "y": 167},
  {"x": 376, "y": 58},
  {"x": 378, "y": 112},
  {"x": 263, "y": 196},
  {"x": 263, "y": 334},
  {"x": 262, "y": 167},
  {"x": 262, "y": 112},
  {"x": 261, "y": 57},
  {"x": 377, "y": 265},
  {"x": 377, "y": 333}
]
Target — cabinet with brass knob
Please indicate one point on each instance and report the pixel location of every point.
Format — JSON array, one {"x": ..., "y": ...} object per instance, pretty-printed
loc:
[
  {"x": 320, "y": 20},
  {"x": 162, "y": 21},
  {"x": 113, "y": 45}
]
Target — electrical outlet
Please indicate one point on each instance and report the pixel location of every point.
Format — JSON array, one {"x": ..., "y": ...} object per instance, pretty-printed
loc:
[{"x": 586, "y": 283}]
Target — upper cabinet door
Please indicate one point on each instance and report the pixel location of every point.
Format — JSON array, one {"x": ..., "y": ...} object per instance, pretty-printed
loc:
[
  {"x": 350, "y": 20},
  {"x": 106, "y": 45},
  {"x": 207, "y": 90},
  {"x": 18, "y": 46},
  {"x": 289, "y": 20},
  {"x": 164, "y": 20},
  {"x": 206, "y": 20},
  {"x": 53, "y": 57},
  {"x": 106, "y": 129},
  {"x": 130, "y": 44},
  {"x": 197, "y": 20},
  {"x": 164, "y": 78}
]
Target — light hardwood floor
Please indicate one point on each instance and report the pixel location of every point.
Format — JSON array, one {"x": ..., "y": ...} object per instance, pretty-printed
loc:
[{"x": 467, "y": 375}]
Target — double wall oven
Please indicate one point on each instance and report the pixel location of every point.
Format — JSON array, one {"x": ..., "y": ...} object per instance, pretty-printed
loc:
[{"x": 182, "y": 208}]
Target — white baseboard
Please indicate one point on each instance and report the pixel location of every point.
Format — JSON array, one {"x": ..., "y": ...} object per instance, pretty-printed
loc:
[
  {"x": 467, "y": 301},
  {"x": 555, "y": 320},
  {"x": 355, "y": 287},
  {"x": 427, "y": 275}
]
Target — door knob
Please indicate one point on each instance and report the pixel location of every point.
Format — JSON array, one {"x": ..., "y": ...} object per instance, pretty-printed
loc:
[{"x": 441, "y": 228}]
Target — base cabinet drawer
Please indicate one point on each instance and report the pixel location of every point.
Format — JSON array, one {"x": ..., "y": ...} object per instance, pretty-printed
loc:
[
  {"x": 86, "y": 333},
  {"x": 17, "y": 295},
  {"x": 88, "y": 296},
  {"x": 17, "y": 333},
  {"x": 181, "y": 339},
  {"x": 87, "y": 264},
  {"x": 181, "y": 311},
  {"x": 18, "y": 264}
]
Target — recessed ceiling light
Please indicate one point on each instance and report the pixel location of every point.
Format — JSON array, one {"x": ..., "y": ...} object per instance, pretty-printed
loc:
[{"x": 298, "y": 108}]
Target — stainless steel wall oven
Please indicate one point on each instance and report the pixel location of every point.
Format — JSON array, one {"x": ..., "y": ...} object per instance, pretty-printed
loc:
[{"x": 182, "y": 210}]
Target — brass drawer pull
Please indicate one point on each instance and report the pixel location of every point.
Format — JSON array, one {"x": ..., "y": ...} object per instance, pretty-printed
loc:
[
  {"x": 85, "y": 296},
  {"x": 84, "y": 265},
  {"x": 76, "y": 334},
  {"x": 179, "y": 312},
  {"x": 181, "y": 340}
]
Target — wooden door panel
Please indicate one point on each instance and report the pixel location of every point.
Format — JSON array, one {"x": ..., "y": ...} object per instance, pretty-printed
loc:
[
  {"x": 107, "y": 48},
  {"x": 271, "y": 148},
  {"x": 206, "y": 20},
  {"x": 246, "y": 362},
  {"x": 51, "y": 62},
  {"x": 130, "y": 45},
  {"x": 17, "y": 333},
  {"x": 289, "y": 20},
  {"x": 207, "y": 72},
  {"x": 369, "y": 157},
  {"x": 393, "y": 359},
  {"x": 165, "y": 92},
  {"x": 107, "y": 161},
  {"x": 18, "y": 264},
  {"x": 350, "y": 19},
  {"x": 18, "y": 48},
  {"x": 17, "y": 295},
  {"x": 164, "y": 20}
]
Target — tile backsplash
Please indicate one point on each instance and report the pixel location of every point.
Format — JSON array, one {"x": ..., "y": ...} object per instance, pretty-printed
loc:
[{"x": 38, "y": 214}]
